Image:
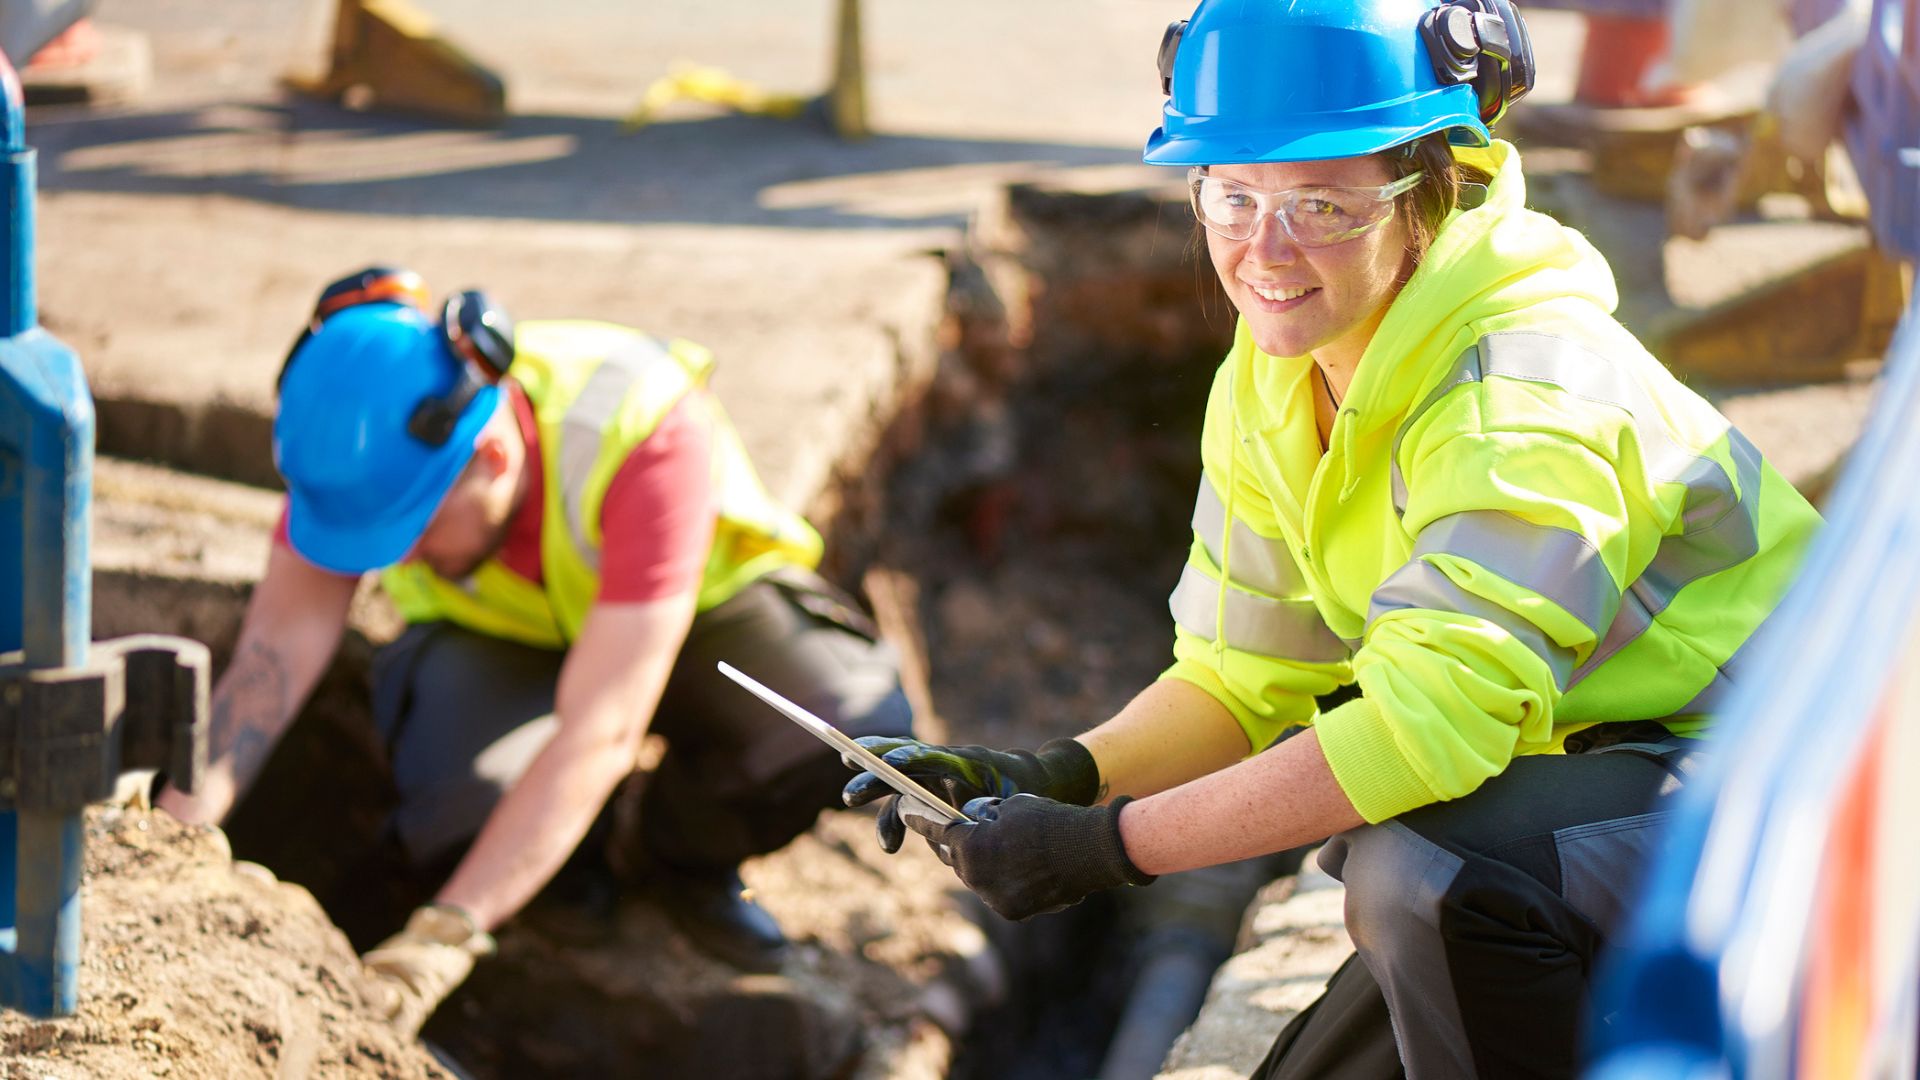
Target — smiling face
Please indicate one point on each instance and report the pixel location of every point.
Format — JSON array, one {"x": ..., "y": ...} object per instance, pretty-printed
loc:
[{"x": 1319, "y": 301}]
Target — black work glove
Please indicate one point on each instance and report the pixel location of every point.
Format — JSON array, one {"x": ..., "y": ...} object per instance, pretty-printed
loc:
[
  {"x": 1027, "y": 856},
  {"x": 1061, "y": 769}
]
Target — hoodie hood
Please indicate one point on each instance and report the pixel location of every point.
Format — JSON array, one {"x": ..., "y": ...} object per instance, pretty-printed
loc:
[{"x": 1489, "y": 260}]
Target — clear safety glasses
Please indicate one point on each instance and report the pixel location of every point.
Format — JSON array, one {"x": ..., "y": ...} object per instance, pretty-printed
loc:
[{"x": 1312, "y": 216}]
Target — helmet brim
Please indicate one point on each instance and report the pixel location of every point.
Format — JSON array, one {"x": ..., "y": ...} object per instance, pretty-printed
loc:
[{"x": 1304, "y": 143}]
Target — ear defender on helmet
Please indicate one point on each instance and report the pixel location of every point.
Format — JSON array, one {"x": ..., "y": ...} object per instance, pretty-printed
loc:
[
  {"x": 480, "y": 335},
  {"x": 1170, "y": 48},
  {"x": 1483, "y": 44}
]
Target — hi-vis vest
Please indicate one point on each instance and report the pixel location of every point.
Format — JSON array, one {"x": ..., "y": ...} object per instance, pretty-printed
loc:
[{"x": 598, "y": 391}]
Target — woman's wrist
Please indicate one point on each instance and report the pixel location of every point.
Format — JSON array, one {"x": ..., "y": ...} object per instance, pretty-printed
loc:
[{"x": 1134, "y": 821}]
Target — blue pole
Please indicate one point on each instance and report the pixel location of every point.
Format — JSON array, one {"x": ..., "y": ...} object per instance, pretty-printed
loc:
[
  {"x": 46, "y": 494},
  {"x": 17, "y": 313}
]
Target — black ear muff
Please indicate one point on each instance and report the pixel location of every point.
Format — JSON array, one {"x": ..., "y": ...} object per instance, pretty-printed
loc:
[
  {"x": 479, "y": 332},
  {"x": 480, "y": 337},
  {"x": 1483, "y": 44},
  {"x": 1517, "y": 67},
  {"x": 374, "y": 285},
  {"x": 1170, "y": 48}
]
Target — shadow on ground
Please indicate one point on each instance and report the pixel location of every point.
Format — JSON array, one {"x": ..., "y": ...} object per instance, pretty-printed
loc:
[{"x": 720, "y": 170}]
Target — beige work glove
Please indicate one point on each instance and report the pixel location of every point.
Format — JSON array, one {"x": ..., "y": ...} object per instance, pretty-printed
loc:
[{"x": 413, "y": 971}]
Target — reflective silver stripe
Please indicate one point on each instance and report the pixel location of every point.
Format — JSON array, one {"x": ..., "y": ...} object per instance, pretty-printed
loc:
[
  {"x": 1573, "y": 368},
  {"x": 1721, "y": 531},
  {"x": 1422, "y": 586},
  {"x": 1286, "y": 629},
  {"x": 1559, "y": 564},
  {"x": 1719, "y": 524},
  {"x": 583, "y": 429},
  {"x": 1258, "y": 563}
]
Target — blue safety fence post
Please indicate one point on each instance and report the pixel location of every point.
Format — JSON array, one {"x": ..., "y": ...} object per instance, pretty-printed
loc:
[
  {"x": 73, "y": 715},
  {"x": 46, "y": 470}
]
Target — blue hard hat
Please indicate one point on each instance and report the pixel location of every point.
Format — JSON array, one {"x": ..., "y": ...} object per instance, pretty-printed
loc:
[
  {"x": 361, "y": 486},
  {"x": 1315, "y": 80}
]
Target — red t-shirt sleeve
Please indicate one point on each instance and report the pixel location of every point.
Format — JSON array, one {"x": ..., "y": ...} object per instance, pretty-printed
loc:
[{"x": 656, "y": 523}]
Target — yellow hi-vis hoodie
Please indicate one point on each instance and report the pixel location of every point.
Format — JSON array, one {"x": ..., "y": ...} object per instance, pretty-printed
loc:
[{"x": 1523, "y": 524}]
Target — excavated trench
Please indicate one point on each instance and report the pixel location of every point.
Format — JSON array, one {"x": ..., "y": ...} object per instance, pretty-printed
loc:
[
  {"x": 1036, "y": 528},
  {"x": 1018, "y": 528}
]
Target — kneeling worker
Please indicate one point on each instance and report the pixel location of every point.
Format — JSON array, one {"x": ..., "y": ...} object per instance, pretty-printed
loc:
[{"x": 575, "y": 536}]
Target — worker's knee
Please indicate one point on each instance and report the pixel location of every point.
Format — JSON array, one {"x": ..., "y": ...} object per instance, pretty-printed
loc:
[{"x": 1397, "y": 884}]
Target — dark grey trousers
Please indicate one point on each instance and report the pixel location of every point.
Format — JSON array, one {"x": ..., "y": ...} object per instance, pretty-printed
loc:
[
  {"x": 463, "y": 715},
  {"x": 1477, "y": 921}
]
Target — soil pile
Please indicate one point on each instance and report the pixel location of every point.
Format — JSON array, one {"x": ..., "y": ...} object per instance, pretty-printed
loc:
[{"x": 196, "y": 966}]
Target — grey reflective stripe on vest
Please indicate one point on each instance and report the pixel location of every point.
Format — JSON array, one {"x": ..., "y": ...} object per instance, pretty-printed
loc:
[
  {"x": 1259, "y": 572},
  {"x": 1559, "y": 564},
  {"x": 1258, "y": 563},
  {"x": 583, "y": 429},
  {"x": 1719, "y": 524},
  {"x": 1420, "y": 585},
  {"x": 1286, "y": 629}
]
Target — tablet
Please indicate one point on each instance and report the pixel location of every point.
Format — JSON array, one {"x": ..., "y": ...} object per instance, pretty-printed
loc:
[{"x": 844, "y": 743}]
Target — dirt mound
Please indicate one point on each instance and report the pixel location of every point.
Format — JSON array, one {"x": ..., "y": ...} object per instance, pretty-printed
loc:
[{"x": 195, "y": 966}]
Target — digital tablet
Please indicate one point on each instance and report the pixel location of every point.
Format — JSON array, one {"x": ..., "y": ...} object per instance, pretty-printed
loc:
[{"x": 844, "y": 743}]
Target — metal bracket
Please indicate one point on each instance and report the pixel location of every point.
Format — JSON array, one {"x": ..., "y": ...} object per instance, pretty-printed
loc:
[{"x": 66, "y": 734}]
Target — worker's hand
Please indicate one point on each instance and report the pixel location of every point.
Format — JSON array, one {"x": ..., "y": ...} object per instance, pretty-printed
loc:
[
  {"x": 208, "y": 805},
  {"x": 413, "y": 971},
  {"x": 1062, "y": 770},
  {"x": 1027, "y": 856}
]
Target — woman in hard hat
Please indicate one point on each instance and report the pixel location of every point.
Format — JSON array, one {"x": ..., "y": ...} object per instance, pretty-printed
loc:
[{"x": 1437, "y": 470}]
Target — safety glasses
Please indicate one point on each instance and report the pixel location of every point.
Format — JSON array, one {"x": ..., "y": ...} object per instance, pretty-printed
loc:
[{"x": 1311, "y": 216}]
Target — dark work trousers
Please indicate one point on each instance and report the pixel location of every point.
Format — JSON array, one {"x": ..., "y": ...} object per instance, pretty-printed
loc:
[
  {"x": 464, "y": 715},
  {"x": 1477, "y": 921}
]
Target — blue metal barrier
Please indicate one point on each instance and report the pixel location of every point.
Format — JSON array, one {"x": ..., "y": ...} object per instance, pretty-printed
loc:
[{"x": 46, "y": 471}]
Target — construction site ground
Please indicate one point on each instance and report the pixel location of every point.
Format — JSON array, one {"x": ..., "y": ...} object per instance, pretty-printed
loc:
[{"x": 182, "y": 237}]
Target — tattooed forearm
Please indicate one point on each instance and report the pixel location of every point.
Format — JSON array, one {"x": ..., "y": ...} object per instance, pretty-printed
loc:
[{"x": 249, "y": 710}]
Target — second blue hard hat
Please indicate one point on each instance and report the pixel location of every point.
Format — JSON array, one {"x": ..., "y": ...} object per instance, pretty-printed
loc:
[
  {"x": 1311, "y": 80},
  {"x": 361, "y": 486}
]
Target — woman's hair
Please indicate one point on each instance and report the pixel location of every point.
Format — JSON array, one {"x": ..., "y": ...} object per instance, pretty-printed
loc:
[{"x": 1435, "y": 196}]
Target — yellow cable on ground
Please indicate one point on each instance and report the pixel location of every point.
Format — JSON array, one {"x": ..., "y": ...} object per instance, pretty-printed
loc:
[{"x": 691, "y": 82}]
